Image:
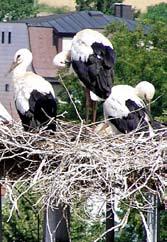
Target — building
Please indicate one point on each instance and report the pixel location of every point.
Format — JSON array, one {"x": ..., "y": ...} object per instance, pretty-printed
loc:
[
  {"x": 44, "y": 36},
  {"x": 13, "y": 36}
]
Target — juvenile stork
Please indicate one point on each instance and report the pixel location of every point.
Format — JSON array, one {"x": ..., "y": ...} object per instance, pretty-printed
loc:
[
  {"x": 92, "y": 58},
  {"x": 34, "y": 96},
  {"x": 126, "y": 110}
]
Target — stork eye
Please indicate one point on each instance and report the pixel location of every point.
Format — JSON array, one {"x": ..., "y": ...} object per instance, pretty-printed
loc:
[{"x": 18, "y": 56}]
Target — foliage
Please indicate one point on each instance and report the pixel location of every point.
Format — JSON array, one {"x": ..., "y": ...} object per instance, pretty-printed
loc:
[
  {"x": 23, "y": 225},
  {"x": 77, "y": 96},
  {"x": 163, "y": 222},
  {"x": 155, "y": 13},
  {"x": 76, "y": 92},
  {"x": 134, "y": 230},
  {"x": 142, "y": 56},
  {"x": 105, "y": 6},
  {"x": 82, "y": 228},
  {"x": 16, "y": 9}
]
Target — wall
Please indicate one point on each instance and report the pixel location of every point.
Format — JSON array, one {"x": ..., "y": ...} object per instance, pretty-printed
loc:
[
  {"x": 43, "y": 49},
  {"x": 15, "y": 36}
]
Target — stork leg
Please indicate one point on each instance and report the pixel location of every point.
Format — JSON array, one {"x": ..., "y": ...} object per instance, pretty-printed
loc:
[
  {"x": 90, "y": 105},
  {"x": 94, "y": 111},
  {"x": 88, "y": 101}
]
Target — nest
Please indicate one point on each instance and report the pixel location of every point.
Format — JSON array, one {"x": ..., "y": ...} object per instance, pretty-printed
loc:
[{"x": 75, "y": 163}]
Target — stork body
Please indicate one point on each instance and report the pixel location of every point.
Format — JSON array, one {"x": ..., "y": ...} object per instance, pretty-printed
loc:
[
  {"x": 126, "y": 111},
  {"x": 5, "y": 117},
  {"x": 92, "y": 58},
  {"x": 34, "y": 96}
]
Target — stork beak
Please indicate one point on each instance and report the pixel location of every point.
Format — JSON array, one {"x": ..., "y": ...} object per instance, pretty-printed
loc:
[
  {"x": 67, "y": 63},
  {"x": 13, "y": 66},
  {"x": 148, "y": 104}
]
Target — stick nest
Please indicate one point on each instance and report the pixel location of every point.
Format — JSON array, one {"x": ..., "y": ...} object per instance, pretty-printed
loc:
[{"x": 75, "y": 162}]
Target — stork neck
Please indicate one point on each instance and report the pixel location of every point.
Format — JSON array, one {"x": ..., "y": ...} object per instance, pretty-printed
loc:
[
  {"x": 138, "y": 93},
  {"x": 19, "y": 70}
]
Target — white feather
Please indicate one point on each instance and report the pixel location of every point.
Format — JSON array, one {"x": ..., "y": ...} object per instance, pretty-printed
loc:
[
  {"x": 145, "y": 90},
  {"x": 115, "y": 103},
  {"x": 94, "y": 97},
  {"x": 82, "y": 41},
  {"x": 25, "y": 82},
  {"x": 61, "y": 58},
  {"x": 4, "y": 115}
]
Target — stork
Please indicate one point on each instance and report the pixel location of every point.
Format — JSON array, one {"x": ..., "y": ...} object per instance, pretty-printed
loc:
[
  {"x": 5, "y": 117},
  {"x": 92, "y": 58},
  {"x": 145, "y": 90},
  {"x": 126, "y": 110},
  {"x": 34, "y": 96}
]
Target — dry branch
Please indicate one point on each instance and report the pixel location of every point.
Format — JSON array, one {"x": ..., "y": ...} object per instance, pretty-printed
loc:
[{"x": 74, "y": 163}]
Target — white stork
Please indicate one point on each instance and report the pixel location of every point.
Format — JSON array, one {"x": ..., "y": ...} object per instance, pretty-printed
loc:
[
  {"x": 126, "y": 110},
  {"x": 145, "y": 90},
  {"x": 92, "y": 58},
  {"x": 34, "y": 96},
  {"x": 5, "y": 117}
]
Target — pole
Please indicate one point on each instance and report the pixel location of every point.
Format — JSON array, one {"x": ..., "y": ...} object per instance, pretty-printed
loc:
[
  {"x": 56, "y": 224},
  {"x": 109, "y": 222},
  {"x": 153, "y": 218},
  {"x": 1, "y": 213}
]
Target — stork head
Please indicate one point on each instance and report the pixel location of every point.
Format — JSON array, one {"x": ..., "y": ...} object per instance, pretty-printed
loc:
[
  {"x": 145, "y": 90},
  {"x": 62, "y": 59},
  {"x": 22, "y": 58}
]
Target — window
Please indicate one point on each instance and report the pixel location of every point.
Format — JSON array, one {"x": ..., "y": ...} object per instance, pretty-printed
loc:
[
  {"x": 6, "y": 87},
  {"x": 3, "y": 37},
  {"x": 9, "y": 37}
]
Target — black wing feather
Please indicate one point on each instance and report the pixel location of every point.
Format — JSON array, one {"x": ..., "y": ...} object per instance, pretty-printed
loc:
[
  {"x": 42, "y": 107},
  {"x": 97, "y": 72},
  {"x": 134, "y": 120}
]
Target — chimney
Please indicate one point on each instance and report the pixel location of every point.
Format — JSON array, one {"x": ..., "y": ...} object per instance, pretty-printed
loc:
[{"x": 123, "y": 11}]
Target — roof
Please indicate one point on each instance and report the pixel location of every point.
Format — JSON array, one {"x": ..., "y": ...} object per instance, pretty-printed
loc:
[{"x": 73, "y": 22}]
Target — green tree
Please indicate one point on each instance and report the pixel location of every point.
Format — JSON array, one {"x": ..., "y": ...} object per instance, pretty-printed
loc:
[
  {"x": 163, "y": 223},
  {"x": 16, "y": 9},
  {"x": 155, "y": 13},
  {"x": 105, "y": 6},
  {"x": 76, "y": 96},
  {"x": 24, "y": 224},
  {"x": 141, "y": 56},
  {"x": 83, "y": 228}
]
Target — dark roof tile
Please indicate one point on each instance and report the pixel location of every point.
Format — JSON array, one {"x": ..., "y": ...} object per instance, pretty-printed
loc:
[{"x": 73, "y": 22}]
